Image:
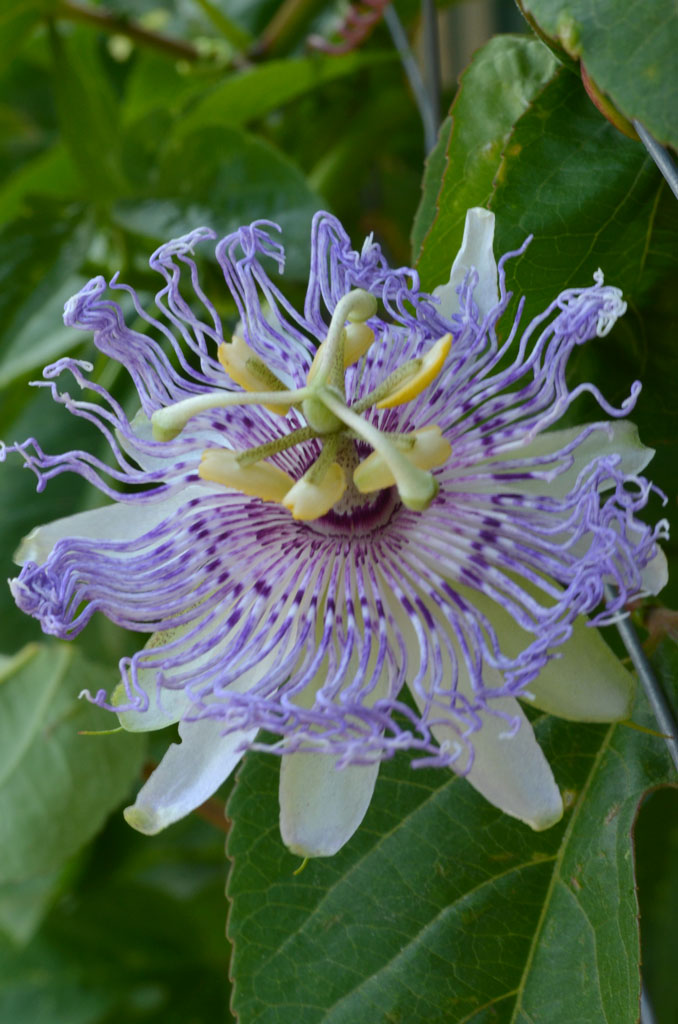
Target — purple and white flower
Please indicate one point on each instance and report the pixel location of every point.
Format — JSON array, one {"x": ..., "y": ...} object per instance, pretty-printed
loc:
[{"x": 351, "y": 528}]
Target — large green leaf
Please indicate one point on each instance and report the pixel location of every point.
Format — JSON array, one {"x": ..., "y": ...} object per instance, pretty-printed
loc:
[
  {"x": 498, "y": 86},
  {"x": 23, "y": 905},
  {"x": 656, "y": 849},
  {"x": 223, "y": 177},
  {"x": 442, "y": 909},
  {"x": 56, "y": 786},
  {"x": 40, "y": 256},
  {"x": 628, "y": 48},
  {"x": 254, "y": 92},
  {"x": 588, "y": 194},
  {"x": 16, "y": 21},
  {"x": 88, "y": 113},
  {"x": 50, "y": 173},
  {"x": 138, "y": 936}
]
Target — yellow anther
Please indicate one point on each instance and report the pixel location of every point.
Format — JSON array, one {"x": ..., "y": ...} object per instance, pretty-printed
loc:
[
  {"x": 356, "y": 339},
  {"x": 359, "y": 338},
  {"x": 246, "y": 368},
  {"x": 260, "y": 479},
  {"x": 308, "y": 500},
  {"x": 428, "y": 449},
  {"x": 431, "y": 365},
  {"x": 316, "y": 363}
]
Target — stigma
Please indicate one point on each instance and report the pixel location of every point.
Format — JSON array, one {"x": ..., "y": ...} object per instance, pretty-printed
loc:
[{"x": 400, "y": 460}]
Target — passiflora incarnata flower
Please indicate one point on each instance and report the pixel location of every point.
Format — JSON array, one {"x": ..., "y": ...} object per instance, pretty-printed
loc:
[{"x": 351, "y": 528}]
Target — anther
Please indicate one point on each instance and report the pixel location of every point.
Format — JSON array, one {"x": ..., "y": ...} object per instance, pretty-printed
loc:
[
  {"x": 427, "y": 448},
  {"x": 246, "y": 368},
  {"x": 259, "y": 480},
  {"x": 428, "y": 368}
]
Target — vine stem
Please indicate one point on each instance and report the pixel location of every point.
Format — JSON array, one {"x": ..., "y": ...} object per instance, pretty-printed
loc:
[
  {"x": 660, "y": 155},
  {"x": 653, "y": 688},
  {"x": 428, "y": 115},
  {"x": 107, "y": 22}
]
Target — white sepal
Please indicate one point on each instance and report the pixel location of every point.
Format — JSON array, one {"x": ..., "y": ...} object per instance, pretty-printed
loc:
[
  {"x": 189, "y": 773},
  {"x": 476, "y": 251},
  {"x": 322, "y": 806}
]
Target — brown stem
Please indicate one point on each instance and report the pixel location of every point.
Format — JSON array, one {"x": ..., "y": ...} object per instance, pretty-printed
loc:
[
  {"x": 107, "y": 22},
  {"x": 282, "y": 26},
  {"x": 212, "y": 811}
]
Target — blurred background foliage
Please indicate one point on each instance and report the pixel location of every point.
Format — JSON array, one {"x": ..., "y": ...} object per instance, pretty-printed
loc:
[{"x": 125, "y": 123}]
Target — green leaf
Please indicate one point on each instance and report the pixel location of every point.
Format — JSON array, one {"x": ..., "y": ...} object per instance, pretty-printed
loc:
[
  {"x": 39, "y": 260},
  {"x": 656, "y": 850},
  {"x": 254, "y": 92},
  {"x": 441, "y": 908},
  {"x": 42, "y": 986},
  {"x": 88, "y": 113},
  {"x": 498, "y": 86},
  {"x": 23, "y": 905},
  {"x": 587, "y": 193},
  {"x": 16, "y": 21},
  {"x": 656, "y": 847},
  {"x": 224, "y": 178},
  {"x": 628, "y": 48},
  {"x": 154, "y": 82},
  {"x": 137, "y": 938},
  {"x": 230, "y": 30},
  {"x": 50, "y": 173},
  {"x": 56, "y": 786}
]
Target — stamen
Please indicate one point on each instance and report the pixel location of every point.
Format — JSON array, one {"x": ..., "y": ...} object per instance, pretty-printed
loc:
[
  {"x": 308, "y": 500},
  {"x": 280, "y": 444},
  {"x": 318, "y": 416},
  {"x": 246, "y": 368},
  {"x": 429, "y": 367},
  {"x": 321, "y": 486},
  {"x": 260, "y": 480},
  {"x": 357, "y": 340},
  {"x": 357, "y": 306},
  {"x": 427, "y": 449},
  {"x": 171, "y": 420},
  {"x": 417, "y": 487}
]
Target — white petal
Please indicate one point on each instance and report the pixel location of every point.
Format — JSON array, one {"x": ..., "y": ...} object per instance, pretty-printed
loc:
[
  {"x": 512, "y": 772},
  {"x": 119, "y": 521},
  {"x": 656, "y": 573},
  {"x": 587, "y": 684},
  {"x": 142, "y": 428},
  {"x": 618, "y": 437},
  {"x": 189, "y": 773},
  {"x": 167, "y": 705},
  {"x": 476, "y": 251},
  {"x": 320, "y": 805}
]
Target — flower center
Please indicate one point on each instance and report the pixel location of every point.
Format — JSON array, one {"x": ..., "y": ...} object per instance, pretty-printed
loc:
[{"x": 336, "y": 478}]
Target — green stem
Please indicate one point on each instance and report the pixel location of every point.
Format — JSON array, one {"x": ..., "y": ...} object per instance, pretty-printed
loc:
[
  {"x": 417, "y": 487},
  {"x": 171, "y": 420},
  {"x": 356, "y": 306},
  {"x": 315, "y": 474},
  {"x": 281, "y": 444},
  {"x": 71, "y": 10},
  {"x": 235, "y": 35}
]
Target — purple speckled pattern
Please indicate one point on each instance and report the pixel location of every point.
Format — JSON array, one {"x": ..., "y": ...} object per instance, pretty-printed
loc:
[{"x": 309, "y": 630}]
